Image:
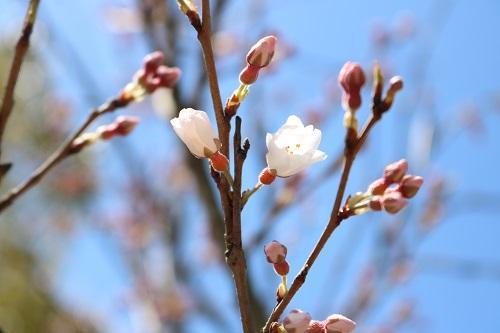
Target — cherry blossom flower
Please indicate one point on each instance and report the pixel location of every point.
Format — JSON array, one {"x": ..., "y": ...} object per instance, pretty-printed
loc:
[
  {"x": 194, "y": 129},
  {"x": 292, "y": 149}
]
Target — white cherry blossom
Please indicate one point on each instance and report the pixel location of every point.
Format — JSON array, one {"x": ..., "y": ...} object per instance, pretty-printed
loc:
[
  {"x": 194, "y": 129},
  {"x": 293, "y": 148}
]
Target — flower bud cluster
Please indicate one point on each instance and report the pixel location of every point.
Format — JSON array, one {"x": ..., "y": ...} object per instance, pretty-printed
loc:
[
  {"x": 389, "y": 192},
  {"x": 259, "y": 57},
  {"x": 298, "y": 321},
  {"x": 392, "y": 190},
  {"x": 153, "y": 75},
  {"x": 122, "y": 126}
]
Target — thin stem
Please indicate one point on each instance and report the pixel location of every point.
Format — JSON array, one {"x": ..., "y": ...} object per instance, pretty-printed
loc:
[
  {"x": 228, "y": 177},
  {"x": 235, "y": 254},
  {"x": 20, "y": 52},
  {"x": 60, "y": 154},
  {"x": 333, "y": 223},
  {"x": 247, "y": 194}
]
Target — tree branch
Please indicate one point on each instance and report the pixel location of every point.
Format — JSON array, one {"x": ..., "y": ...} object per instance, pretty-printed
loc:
[
  {"x": 60, "y": 154},
  {"x": 351, "y": 150},
  {"x": 20, "y": 52}
]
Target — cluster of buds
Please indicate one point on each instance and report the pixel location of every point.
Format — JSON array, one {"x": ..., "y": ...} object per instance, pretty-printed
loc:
[
  {"x": 153, "y": 75},
  {"x": 298, "y": 321},
  {"x": 259, "y": 57},
  {"x": 194, "y": 128},
  {"x": 390, "y": 192},
  {"x": 276, "y": 255},
  {"x": 351, "y": 79},
  {"x": 122, "y": 126}
]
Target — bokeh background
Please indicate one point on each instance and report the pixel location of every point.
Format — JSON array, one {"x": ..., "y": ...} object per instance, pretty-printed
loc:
[{"x": 126, "y": 236}]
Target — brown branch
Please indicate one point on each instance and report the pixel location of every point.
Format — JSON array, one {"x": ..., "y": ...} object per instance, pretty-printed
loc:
[
  {"x": 20, "y": 52},
  {"x": 235, "y": 255},
  {"x": 231, "y": 201},
  {"x": 59, "y": 155},
  {"x": 353, "y": 145}
]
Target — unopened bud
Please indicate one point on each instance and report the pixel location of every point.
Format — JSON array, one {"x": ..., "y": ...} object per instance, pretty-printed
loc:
[
  {"x": 297, "y": 321},
  {"x": 394, "y": 172},
  {"x": 275, "y": 252},
  {"x": 249, "y": 74},
  {"x": 168, "y": 76},
  {"x": 396, "y": 84},
  {"x": 375, "y": 203},
  {"x": 377, "y": 187},
  {"x": 123, "y": 125},
  {"x": 219, "y": 161},
  {"x": 267, "y": 176},
  {"x": 410, "y": 185},
  {"x": 282, "y": 268},
  {"x": 152, "y": 61},
  {"x": 316, "y": 326},
  {"x": 352, "y": 78},
  {"x": 393, "y": 202},
  {"x": 261, "y": 54},
  {"x": 338, "y": 323},
  {"x": 378, "y": 84}
]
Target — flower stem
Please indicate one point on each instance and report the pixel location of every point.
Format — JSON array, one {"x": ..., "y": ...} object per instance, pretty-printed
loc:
[
  {"x": 249, "y": 193},
  {"x": 228, "y": 177}
]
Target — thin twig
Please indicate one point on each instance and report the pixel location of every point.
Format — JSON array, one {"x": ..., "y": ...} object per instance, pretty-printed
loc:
[
  {"x": 20, "y": 52},
  {"x": 335, "y": 220},
  {"x": 235, "y": 254},
  {"x": 60, "y": 154}
]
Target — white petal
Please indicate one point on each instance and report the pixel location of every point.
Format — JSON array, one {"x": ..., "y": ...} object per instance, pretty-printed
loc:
[{"x": 294, "y": 121}]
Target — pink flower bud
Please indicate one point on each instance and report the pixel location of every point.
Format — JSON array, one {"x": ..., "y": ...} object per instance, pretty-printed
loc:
[
  {"x": 316, "y": 326},
  {"x": 282, "y": 268},
  {"x": 168, "y": 76},
  {"x": 106, "y": 132},
  {"x": 394, "y": 172},
  {"x": 125, "y": 124},
  {"x": 219, "y": 161},
  {"x": 393, "y": 202},
  {"x": 267, "y": 176},
  {"x": 152, "y": 61},
  {"x": 249, "y": 74},
  {"x": 338, "y": 323},
  {"x": 261, "y": 54},
  {"x": 377, "y": 187},
  {"x": 275, "y": 252},
  {"x": 352, "y": 78},
  {"x": 410, "y": 185},
  {"x": 375, "y": 203},
  {"x": 297, "y": 321}
]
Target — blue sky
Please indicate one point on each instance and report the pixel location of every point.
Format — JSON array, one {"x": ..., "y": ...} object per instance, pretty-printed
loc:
[{"x": 451, "y": 62}]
